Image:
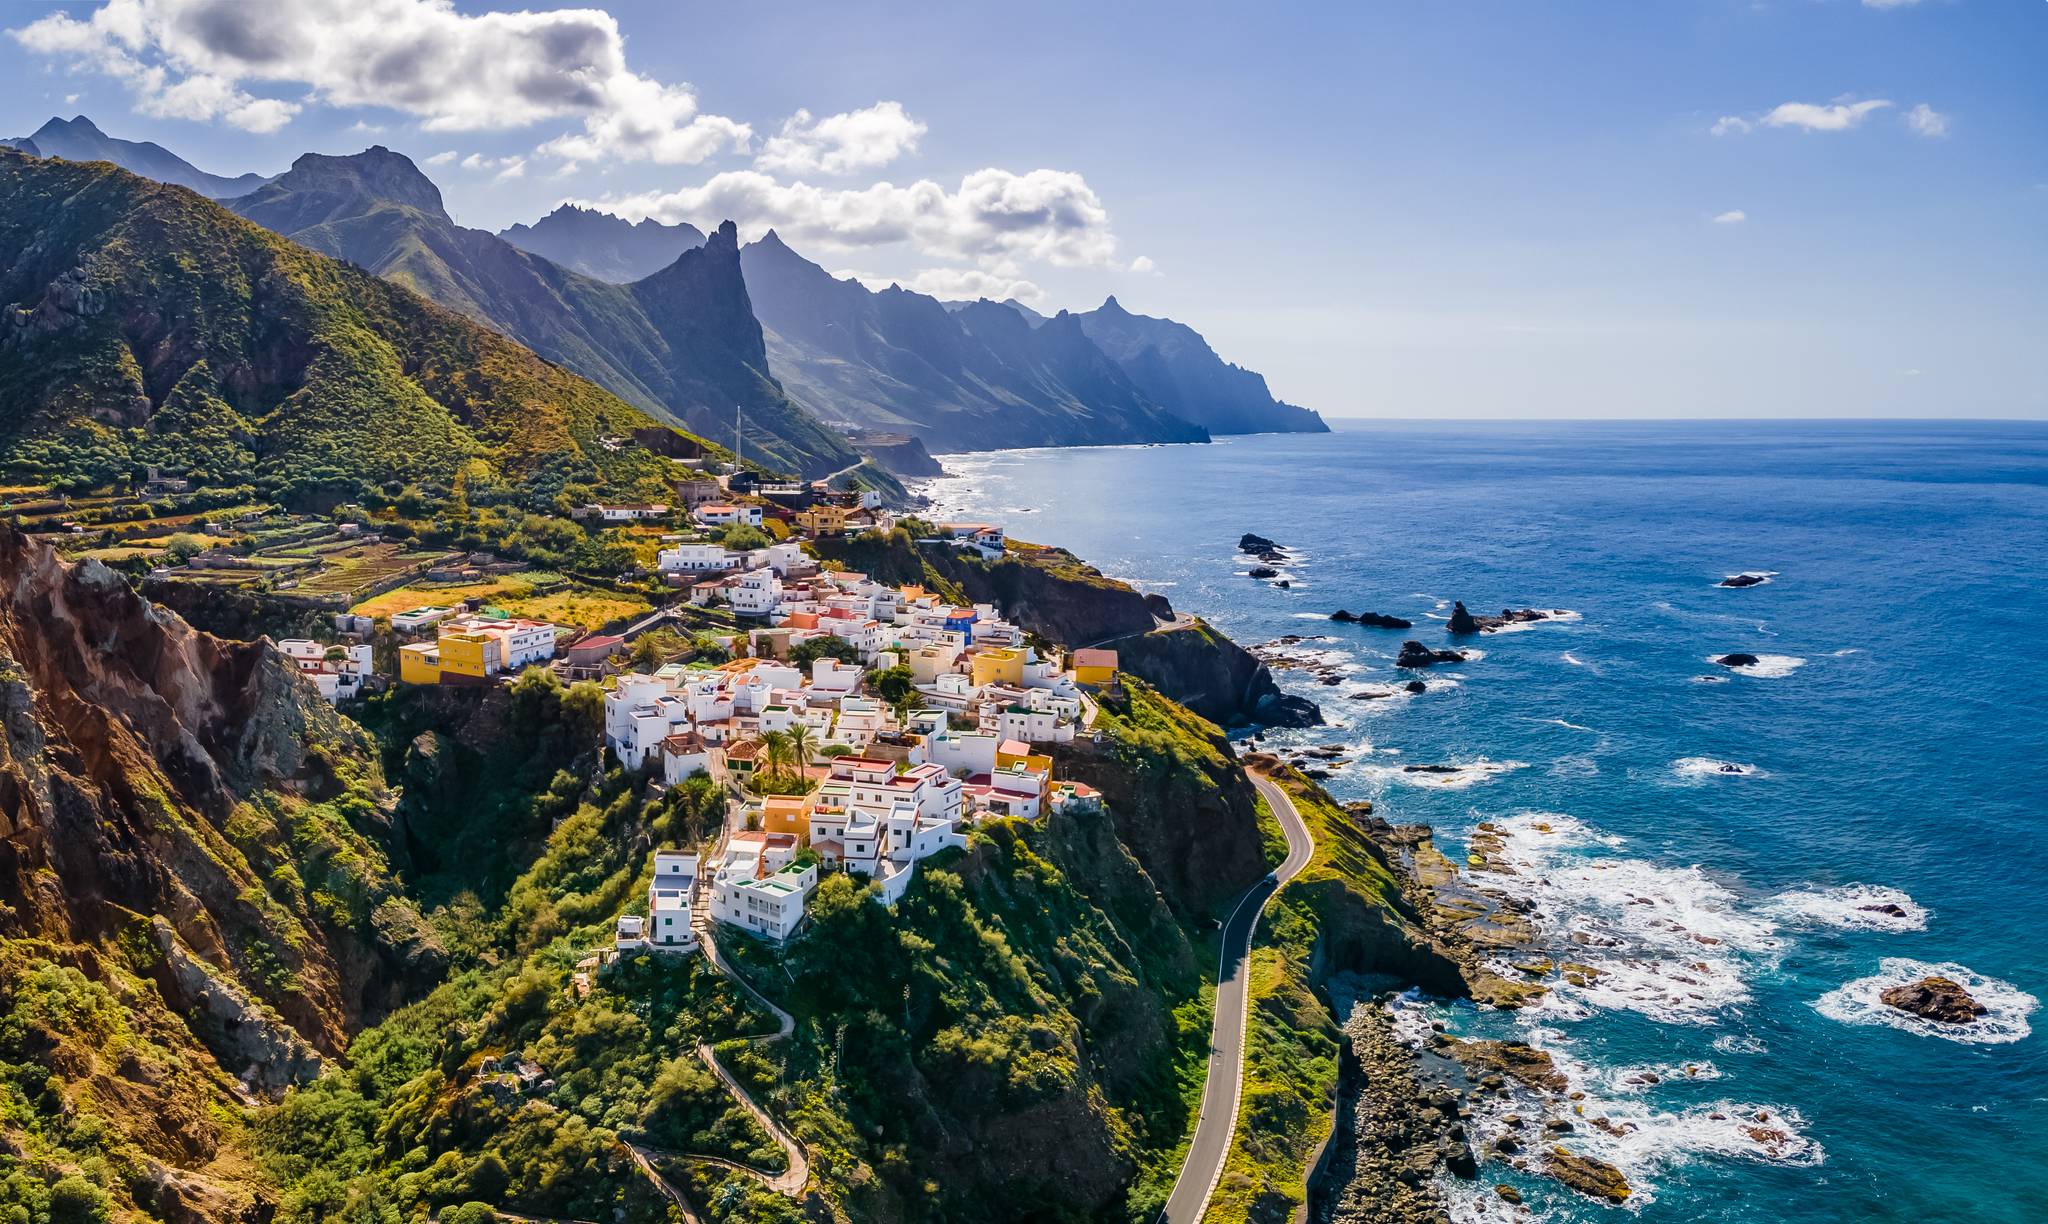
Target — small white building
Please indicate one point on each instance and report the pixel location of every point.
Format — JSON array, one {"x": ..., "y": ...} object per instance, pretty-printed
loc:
[
  {"x": 337, "y": 671},
  {"x": 696, "y": 559},
  {"x": 668, "y": 902},
  {"x": 631, "y": 512},
  {"x": 420, "y": 618},
  {"x": 757, "y": 593},
  {"x": 759, "y": 887},
  {"x": 725, "y": 514}
]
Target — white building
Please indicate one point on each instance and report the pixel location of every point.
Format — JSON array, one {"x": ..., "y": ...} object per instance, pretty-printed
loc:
[
  {"x": 725, "y": 514},
  {"x": 684, "y": 754},
  {"x": 759, "y": 887},
  {"x": 757, "y": 593},
  {"x": 623, "y": 513},
  {"x": 337, "y": 671},
  {"x": 696, "y": 559},
  {"x": 419, "y": 618},
  {"x": 668, "y": 902}
]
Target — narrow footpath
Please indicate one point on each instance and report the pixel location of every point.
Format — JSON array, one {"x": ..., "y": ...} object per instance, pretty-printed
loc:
[{"x": 1210, "y": 1148}]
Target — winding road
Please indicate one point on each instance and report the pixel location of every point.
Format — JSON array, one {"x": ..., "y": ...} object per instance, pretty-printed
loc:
[{"x": 1218, "y": 1120}]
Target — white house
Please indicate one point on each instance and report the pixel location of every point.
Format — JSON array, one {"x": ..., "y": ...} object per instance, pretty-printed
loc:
[
  {"x": 696, "y": 559},
  {"x": 633, "y": 512},
  {"x": 337, "y": 671},
  {"x": 759, "y": 887},
  {"x": 419, "y": 618},
  {"x": 683, "y": 754},
  {"x": 639, "y": 714},
  {"x": 784, "y": 557},
  {"x": 964, "y": 752},
  {"x": 668, "y": 902},
  {"x": 725, "y": 514},
  {"x": 756, "y": 594}
]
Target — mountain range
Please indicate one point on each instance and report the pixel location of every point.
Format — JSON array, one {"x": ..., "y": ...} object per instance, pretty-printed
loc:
[
  {"x": 146, "y": 325},
  {"x": 601, "y": 245},
  {"x": 78, "y": 139},
  {"x": 681, "y": 344},
  {"x": 689, "y": 327}
]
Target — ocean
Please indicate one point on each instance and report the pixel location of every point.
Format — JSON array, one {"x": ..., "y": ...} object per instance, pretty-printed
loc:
[{"x": 1708, "y": 839}]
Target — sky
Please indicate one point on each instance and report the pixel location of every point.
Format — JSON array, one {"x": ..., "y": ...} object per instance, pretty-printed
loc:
[{"x": 1688, "y": 208}]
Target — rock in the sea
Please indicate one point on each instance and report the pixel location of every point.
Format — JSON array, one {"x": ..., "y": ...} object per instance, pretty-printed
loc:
[
  {"x": 1743, "y": 580},
  {"x": 1251, "y": 543},
  {"x": 1590, "y": 1177},
  {"x": 1508, "y": 1194},
  {"x": 1934, "y": 998},
  {"x": 1415, "y": 654},
  {"x": 1738, "y": 659},
  {"x": 1462, "y": 621},
  {"x": 1377, "y": 620},
  {"x": 1416, "y": 686},
  {"x": 1889, "y": 909},
  {"x": 1264, "y": 571}
]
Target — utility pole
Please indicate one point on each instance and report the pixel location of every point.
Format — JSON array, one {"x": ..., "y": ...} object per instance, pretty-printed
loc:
[{"x": 737, "y": 439}]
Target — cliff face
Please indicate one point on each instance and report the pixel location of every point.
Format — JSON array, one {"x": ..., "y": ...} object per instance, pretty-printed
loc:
[
  {"x": 1177, "y": 795},
  {"x": 192, "y": 890}
]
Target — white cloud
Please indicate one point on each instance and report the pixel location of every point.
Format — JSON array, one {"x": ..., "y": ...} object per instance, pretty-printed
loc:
[
  {"x": 455, "y": 71},
  {"x": 959, "y": 284},
  {"x": 501, "y": 167},
  {"x": 1050, "y": 215},
  {"x": 1733, "y": 216},
  {"x": 1143, "y": 263},
  {"x": 1732, "y": 125},
  {"x": 1927, "y": 121},
  {"x": 842, "y": 143},
  {"x": 1833, "y": 117},
  {"x": 441, "y": 159}
]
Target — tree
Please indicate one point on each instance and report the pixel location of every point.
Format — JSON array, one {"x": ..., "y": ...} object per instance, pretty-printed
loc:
[
  {"x": 802, "y": 741},
  {"x": 775, "y": 753},
  {"x": 184, "y": 546},
  {"x": 805, "y": 653},
  {"x": 657, "y": 646},
  {"x": 893, "y": 684},
  {"x": 741, "y": 537}
]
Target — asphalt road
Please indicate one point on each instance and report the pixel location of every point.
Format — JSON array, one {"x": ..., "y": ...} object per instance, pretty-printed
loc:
[{"x": 1204, "y": 1163}]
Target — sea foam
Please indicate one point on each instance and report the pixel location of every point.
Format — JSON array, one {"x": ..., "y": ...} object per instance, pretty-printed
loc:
[
  {"x": 1865, "y": 907},
  {"x": 1698, "y": 769},
  {"x": 1766, "y": 667},
  {"x": 1859, "y": 1002},
  {"x": 1448, "y": 777}
]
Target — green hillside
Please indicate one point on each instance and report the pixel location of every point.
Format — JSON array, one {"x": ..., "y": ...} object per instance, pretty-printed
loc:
[{"x": 146, "y": 325}]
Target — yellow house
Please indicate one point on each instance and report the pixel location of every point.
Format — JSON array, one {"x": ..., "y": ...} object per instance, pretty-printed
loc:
[
  {"x": 822, "y": 520},
  {"x": 926, "y": 662},
  {"x": 787, "y": 814},
  {"x": 1002, "y": 666},
  {"x": 1094, "y": 666},
  {"x": 1016, "y": 754},
  {"x": 419, "y": 663},
  {"x": 470, "y": 656}
]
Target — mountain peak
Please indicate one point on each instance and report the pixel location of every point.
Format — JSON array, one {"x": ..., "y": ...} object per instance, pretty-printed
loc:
[
  {"x": 1111, "y": 306},
  {"x": 727, "y": 235},
  {"x": 376, "y": 172},
  {"x": 77, "y": 125}
]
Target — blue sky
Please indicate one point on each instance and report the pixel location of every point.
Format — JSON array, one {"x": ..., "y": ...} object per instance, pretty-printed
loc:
[{"x": 1788, "y": 208}]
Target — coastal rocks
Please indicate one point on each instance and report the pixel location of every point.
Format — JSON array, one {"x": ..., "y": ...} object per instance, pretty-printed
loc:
[
  {"x": 1737, "y": 659},
  {"x": 1396, "y": 1129},
  {"x": 1750, "y": 579},
  {"x": 1462, "y": 621},
  {"x": 1375, "y": 620},
  {"x": 1590, "y": 1177},
  {"x": 1415, "y": 686},
  {"x": 1415, "y": 654},
  {"x": 1262, "y": 571},
  {"x": 1936, "y": 998},
  {"x": 1510, "y": 1060},
  {"x": 1253, "y": 543}
]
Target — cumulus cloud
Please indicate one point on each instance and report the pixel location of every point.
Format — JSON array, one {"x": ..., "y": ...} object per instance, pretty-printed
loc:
[
  {"x": 1833, "y": 117},
  {"x": 1143, "y": 263},
  {"x": 1837, "y": 116},
  {"x": 842, "y": 143},
  {"x": 498, "y": 167},
  {"x": 1733, "y": 216},
  {"x": 454, "y": 71},
  {"x": 442, "y": 158},
  {"x": 1049, "y": 215},
  {"x": 1927, "y": 121}
]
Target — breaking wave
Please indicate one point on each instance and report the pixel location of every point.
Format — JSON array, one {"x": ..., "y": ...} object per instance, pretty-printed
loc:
[{"x": 1864, "y": 907}]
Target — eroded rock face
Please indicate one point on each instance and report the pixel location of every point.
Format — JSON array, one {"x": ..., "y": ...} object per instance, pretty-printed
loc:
[{"x": 1940, "y": 999}]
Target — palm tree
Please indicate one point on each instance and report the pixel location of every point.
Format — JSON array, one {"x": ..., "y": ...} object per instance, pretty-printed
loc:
[
  {"x": 775, "y": 753},
  {"x": 802, "y": 740}
]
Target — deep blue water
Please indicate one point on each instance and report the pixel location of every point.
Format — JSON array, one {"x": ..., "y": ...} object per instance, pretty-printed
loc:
[{"x": 1907, "y": 752}]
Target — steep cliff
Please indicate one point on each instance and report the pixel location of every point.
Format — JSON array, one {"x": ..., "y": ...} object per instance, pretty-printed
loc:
[{"x": 194, "y": 900}]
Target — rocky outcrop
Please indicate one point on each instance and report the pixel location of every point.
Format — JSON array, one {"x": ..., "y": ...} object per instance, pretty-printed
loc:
[
  {"x": 1375, "y": 620},
  {"x": 1462, "y": 621},
  {"x": 1744, "y": 580},
  {"x": 903, "y": 454},
  {"x": 1935, "y": 998},
  {"x": 1738, "y": 659},
  {"x": 1590, "y": 1177},
  {"x": 1415, "y": 654},
  {"x": 1213, "y": 676}
]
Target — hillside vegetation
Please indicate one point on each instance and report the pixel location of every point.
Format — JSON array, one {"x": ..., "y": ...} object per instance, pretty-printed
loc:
[{"x": 149, "y": 326}]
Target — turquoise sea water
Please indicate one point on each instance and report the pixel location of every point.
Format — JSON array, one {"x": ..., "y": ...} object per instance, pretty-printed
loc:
[{"x": 1905, "y": 751}]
